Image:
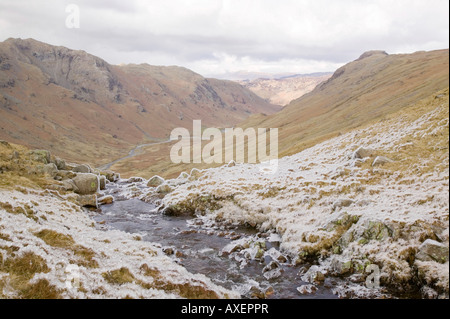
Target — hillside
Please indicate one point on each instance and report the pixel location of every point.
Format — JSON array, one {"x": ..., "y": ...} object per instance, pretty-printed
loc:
[
  {"x": 84, "y": 109},
  {"x": 369, "y": 88},
  {"x": 281, "y": 91},
  {"x": 373, "y": 201}
]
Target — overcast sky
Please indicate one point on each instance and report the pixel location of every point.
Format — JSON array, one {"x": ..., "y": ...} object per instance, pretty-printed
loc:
[{"x": 213, "y": 37}]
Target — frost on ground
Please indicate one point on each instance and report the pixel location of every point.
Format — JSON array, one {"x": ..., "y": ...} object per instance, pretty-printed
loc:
[
  {"x": 372, "y": 196},
  {"x": 50, "y": 248}
]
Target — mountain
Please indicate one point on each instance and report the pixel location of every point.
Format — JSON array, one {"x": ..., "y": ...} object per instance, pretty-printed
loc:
[
  {"x": 84, "y": 109},
  {"x": 281, "y": 91},
  {"x": 367, "y": 89}
]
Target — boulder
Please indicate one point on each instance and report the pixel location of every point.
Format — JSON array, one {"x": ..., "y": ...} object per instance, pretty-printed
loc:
[
  {"x": 307, "y": 289},
  {"x": 431, "y": 250},
  {"x": 106, "y": 200},
  {"x": 41, "y": 156},
  {"x": 372, "y": 230},
  {"x": 155, "y": 181},
  {"x": 164, "y": 189},
  {"x": 363, "y": 153},
  {"x": 110, "y": 176},
  {"x": 69, "y": 185},
  {"x": 381, "y": 160},
  {"x": 102, "y": 180},
  {"x": 271, "y": 266},
  {"x": 340, "y": 267},
  {"x": 196, "y": 173},
  {"x": 135, "y": 180},
  {"x": 313, "y": 275},
  {"x": 66, "y": 175},
  {"x": 273, "y": 274},
  {"x": 88, "y": 201},
  {"x": 83, "y": 168},
  {"x": 87, "y": 183},
  {"x": 60, "y": 163},
  {"x": 50, "y": 170},
  {"x": 183, "y": 175},
  {"x": 342, "y": 203}
]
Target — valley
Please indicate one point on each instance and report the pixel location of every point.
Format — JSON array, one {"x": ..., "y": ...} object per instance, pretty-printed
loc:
[{"x": 91, "y": 205}]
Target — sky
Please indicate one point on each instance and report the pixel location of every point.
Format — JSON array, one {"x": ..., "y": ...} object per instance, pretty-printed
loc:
[{"x": 218, "y": 37}]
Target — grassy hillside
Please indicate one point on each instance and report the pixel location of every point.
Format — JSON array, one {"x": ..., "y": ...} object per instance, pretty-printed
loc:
[{"x": 369, "y": 88}]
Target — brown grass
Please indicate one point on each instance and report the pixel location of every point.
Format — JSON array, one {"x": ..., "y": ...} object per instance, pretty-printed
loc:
[
  {"x": 21, "y": 269},
  {"x": 42, "y": 289},
  {"x": 58, "y": 240},
  {"x": 119, "y": 276}
]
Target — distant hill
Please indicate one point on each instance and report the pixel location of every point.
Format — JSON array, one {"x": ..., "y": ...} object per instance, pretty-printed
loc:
[
  {"x": 281, "y": 91},
  {"x": 84, "y": 109},
  {"x": 250, "y": 76}
]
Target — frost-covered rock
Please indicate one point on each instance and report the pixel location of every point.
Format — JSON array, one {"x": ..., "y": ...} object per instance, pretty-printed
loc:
[
  {"x": 135, "y": 180},
  {"x": 88, "y": 200},
  {"x": 102, "y": 180},
  {"x": 51, "y": 170},
  {"x": 60, "y": 163},
  {"x": 273, "y": 274},
  {"x": 86, "y": 183},
  {"x": 340, "y": 266},
  {"x": 69, "y": 185},
  {"x": 82, "y": 168},
  {"x": 106, "y": 200},
  {"x": 155, "y": 181},
  {"x": 363, "y": 153},
  {"x": 110, "y": 175},
  {"x": 381, "y": 160},
  {"x": 431, "y": 250},
  {"x": 342, "y": 203},
  {"x": 307, "y": 289},
  {"x": 183, "y": 175},
  {"x": 164, "y": 189},
  {"x": 195, "y": 174},
  {"x": 314, "y": 275}
]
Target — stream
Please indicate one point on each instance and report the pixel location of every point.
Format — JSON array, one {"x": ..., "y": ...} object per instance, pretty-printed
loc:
[{"x": 233, "y": 256}]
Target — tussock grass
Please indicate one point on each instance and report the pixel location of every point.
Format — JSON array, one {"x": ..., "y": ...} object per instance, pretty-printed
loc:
[
  {"x": 42, "y": 289},
  {"x": 55, "y": 239},
  {"x": 21, "y": 269},
  {"x": 25, "y": 266},
  {"x": 119, "y": 276},
  {"x": 58, "y": 240}
]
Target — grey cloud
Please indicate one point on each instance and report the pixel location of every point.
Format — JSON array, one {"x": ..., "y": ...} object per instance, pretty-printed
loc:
[{"x": 265, "y": 31}]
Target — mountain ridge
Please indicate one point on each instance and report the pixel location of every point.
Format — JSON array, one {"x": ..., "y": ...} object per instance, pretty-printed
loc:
[{"x": 81, "y": 107}]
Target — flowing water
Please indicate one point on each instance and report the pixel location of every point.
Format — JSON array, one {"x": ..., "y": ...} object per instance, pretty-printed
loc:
[{"x": 212, "y": 248}]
